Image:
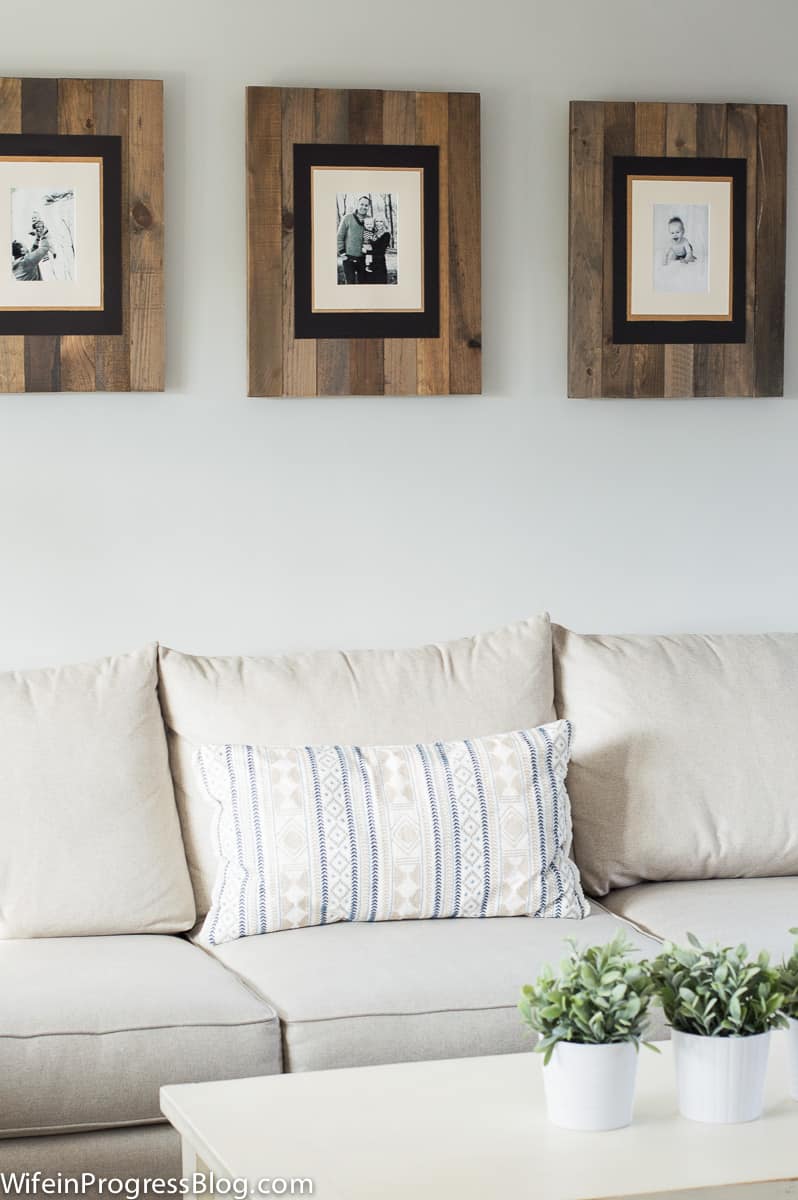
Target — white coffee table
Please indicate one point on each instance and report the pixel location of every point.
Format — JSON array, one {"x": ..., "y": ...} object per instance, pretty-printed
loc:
[{"x": 476, "y": 1129}]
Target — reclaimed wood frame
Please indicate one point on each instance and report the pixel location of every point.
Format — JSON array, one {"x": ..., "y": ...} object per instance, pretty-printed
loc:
[
  {"x": 281, "y": 364},
  {"x": 133, "y": 360},
  {"x": 600, "y": 132}
]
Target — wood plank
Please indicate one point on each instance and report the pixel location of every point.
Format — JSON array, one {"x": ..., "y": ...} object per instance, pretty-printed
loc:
[
  {"x": 299, "y": 356},
  {"x": 650, "y": 132},
  {"x": 741, "y": 142},
  {"x": 12, "y": 347},
  {"x": 585, "y": 249},
  {"x": 465, "y": 245},
  {"x": 147, "y": 335},
  {"x": 617, "y": 362},
  {"x": 680, "y": 142},
  {"x": 709, "y": 358},
  {"x": 366, "y": 355},
  {"x": 42, "y": 363},
  {"x": 432, "y": 354},
  {"x": 42, "y": 352},
  {"x": 399, "y": 129},
  {"x": 76, "y": 116},
  {"x": 264, "y": 241},
  {"x": 770, "y": 252},
  {"x": 112, "y": 359},
  {"x": 332, "y": 354},
  {"x": 40, "y": 106}
]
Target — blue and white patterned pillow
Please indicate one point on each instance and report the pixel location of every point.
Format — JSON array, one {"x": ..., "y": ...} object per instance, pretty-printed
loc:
[{"x": 315, "y": 834}]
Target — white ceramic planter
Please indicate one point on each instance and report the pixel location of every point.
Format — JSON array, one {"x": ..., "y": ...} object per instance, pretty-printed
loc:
[
  {"x": 591, "y": 1087},
  {"x": 721, "y": 1080},
  {"x": 793, "y": 1036}
]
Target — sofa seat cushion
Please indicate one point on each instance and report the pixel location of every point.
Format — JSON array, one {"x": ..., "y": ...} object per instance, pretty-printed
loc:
[
  {"x": 90, "y": 1028},
  {"x": 467, "y": 688},
  {"x": 758, "y": 912},
  {"x": 360, "y": 994}
]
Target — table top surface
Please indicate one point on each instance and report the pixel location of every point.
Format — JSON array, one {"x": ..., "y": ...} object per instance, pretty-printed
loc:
[{"x": 474, "y": 1128}]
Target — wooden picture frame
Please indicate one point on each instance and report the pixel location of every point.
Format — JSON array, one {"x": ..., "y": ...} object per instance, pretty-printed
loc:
[
  {"x": 295, "y": 351},
  {"x": 117, "y": 345},
  {"x": 672, "y": 346}
]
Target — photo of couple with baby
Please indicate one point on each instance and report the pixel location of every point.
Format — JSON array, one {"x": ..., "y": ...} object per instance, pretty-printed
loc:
[{"x": 367, "y": 238}]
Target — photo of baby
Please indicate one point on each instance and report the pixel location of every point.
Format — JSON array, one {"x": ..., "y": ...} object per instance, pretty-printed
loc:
[{"x": 681, "y": 248}]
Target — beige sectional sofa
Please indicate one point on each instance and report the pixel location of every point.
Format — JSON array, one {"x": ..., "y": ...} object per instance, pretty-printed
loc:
[{"x": 682, "y": 787}]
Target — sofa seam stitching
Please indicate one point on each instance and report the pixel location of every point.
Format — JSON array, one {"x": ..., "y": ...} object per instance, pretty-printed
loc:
[{"x": 20, "y": 1037}]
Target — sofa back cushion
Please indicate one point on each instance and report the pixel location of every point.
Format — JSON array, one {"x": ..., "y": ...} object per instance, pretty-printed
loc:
[
  {"x": 685, "y": 757},
  {"x": 89, "y": 833},
  {"x": 467, "y": 688}
]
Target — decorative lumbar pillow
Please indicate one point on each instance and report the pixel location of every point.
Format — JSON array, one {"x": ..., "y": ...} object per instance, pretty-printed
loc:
[
  {"x": 687, "y": 761},
  {"x": 316, "y": 834},
  {"x": 89, "y": 833},
  {"x": 449, "y": 690}
]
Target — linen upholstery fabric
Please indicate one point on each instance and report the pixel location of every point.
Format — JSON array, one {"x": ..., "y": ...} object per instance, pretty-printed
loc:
[
  {"x": 357, "y": 994},
  {"x": 139, "y": 1152},
  {"x": 90, "y": 840},
  {"x": 466, "y": 688},
  {"x": 314, "y": 835},
  {"x": 758, "y": 912},
  {"x": 685, "y": 758},
  {"x": 91, "y": 1027}
]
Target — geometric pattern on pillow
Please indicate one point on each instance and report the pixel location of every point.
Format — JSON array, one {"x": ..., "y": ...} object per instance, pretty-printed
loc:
[{"x": 316, "y": 834}]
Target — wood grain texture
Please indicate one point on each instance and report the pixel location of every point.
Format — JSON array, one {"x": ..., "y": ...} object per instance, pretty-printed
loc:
[
  {"x": 371, "y": 366},
  {"x": 366, "y": 355},
  {"x": 133, "y": 111},
  {"x": 770, "y": 255},
  {"x": 464, "y": 251},
  {"x": 680, "y": 142},
  {"x": 299, "y": 355},
  {"x": 147, "y": 334},
  {"x": 112, "y": 354},
  {"x": 332, "y": 354},
  {"x": 432, "y": 354},
  {"x": 399, "y": 129},
  {"x": 709, "y": 359},
  {"x": 650, "y": 135},
  {"x": 42, "y": 353},
  {"x": 756, "y": 133},
  {"x": 617, "y": 362},
  {"x": 78, "y": 352},
  {"x": 264, "y": 241},
  {"x": 585, "y": 249},
  {"x": 12, "y": 348},
  {"x": 735, "y": 374}
]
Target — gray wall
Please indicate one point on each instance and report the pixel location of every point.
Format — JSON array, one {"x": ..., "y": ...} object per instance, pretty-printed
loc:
[{"x": 218, "y": 523}]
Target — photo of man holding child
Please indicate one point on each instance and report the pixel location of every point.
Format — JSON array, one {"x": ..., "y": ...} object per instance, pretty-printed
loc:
[
  {"x": 367, "y": 228},
  {"x": 42, "y": 235}
]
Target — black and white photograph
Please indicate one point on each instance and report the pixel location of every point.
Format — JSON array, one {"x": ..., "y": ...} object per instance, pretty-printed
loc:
[
  {"x": 358, "y": 274},
  {"x": 43, "y": 234},
  {"x": 678, "y": 250},
  {"x": 367, "y": 230},
  {"x": 681, "y": 247},
  {"x": 60, "y": 222}
]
